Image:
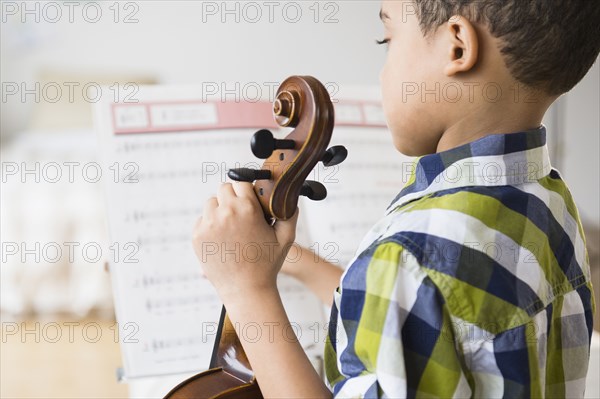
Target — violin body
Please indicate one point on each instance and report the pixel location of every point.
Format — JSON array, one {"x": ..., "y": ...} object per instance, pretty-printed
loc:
[
  {"x": 229, "y": 375},
  {"x": 302, "y": 103},
  {"x": 215, "y": 383}
]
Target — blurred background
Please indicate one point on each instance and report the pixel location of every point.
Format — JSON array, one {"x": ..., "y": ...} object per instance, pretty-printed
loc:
[{"x": 58, "y": 326}]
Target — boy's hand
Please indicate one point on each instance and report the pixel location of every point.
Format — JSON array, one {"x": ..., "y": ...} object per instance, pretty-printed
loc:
[{"x": 238, "y": 250}]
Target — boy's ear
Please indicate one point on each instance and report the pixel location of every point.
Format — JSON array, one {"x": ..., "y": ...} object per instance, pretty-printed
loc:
[{"x": 463, "y": 45}]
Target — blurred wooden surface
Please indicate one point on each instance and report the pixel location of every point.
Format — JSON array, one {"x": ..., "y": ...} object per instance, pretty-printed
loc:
[{"x": 36, "y": 362}]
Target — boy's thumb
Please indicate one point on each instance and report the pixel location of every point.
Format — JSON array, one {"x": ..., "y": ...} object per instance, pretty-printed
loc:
[{"x": 285, "y": 230}]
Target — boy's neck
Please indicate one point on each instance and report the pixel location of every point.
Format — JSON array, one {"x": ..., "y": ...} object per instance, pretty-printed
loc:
[{"x": 492, "y": 119}]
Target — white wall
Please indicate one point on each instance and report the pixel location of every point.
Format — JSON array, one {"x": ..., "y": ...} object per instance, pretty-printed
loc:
[
  {"x": 579, "y": 115},
  {"x": 172, "y": 42}
]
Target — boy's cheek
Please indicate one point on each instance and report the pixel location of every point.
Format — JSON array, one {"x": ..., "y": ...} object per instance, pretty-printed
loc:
[
  {"x": 411, "y": 118},
  {"x": 403, "y": 140},
  {"x": 412, "y": 128},
  {"x": 401, "y": 133}
]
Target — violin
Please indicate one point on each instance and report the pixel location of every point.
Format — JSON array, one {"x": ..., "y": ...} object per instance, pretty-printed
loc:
[{"x": 302, "y": 103}]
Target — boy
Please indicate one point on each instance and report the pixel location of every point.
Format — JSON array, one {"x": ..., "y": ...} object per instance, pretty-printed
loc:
[{"x": 476, "y": 281}]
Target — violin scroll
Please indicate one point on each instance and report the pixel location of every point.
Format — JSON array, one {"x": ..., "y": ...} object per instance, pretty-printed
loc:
[
  {"x": 302, "y": 103},
  {"x": 285, "y": 109}
]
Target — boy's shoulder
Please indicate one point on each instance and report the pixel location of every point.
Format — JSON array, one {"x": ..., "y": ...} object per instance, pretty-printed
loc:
[
  {"x": 493, "y": 250},
  {"x": 491, "y": 224}
]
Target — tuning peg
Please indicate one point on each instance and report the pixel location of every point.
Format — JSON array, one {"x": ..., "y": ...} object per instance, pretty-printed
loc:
[
  {"x": 249, "y": 175},
  {"x": 335, "y": 155},
  {"x": 313, "y": 190},
  {"x": 263, "y": 144}
]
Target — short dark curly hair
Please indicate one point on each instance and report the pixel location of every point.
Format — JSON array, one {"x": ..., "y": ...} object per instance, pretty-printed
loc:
[{"x": 548, "y": 45}]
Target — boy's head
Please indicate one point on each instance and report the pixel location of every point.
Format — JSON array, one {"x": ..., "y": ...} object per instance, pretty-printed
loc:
[{"x": 471, "y": 67}]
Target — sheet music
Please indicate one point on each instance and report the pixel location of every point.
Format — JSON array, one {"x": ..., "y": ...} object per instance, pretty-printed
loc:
[
  {"x": 172, "y": 151},
  {"x": 171, "y": 156}
]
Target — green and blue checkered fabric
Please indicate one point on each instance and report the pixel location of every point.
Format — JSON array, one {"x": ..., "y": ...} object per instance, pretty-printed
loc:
[{"x": 475, "y": 283}]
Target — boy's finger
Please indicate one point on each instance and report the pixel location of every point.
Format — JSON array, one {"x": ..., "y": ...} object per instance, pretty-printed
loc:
[
  {"x": 225, "y": 193},
  {"x": 209, "y": 207},
  {"x": 245, "y": 189},
  {"x": 285, "y": 230}
]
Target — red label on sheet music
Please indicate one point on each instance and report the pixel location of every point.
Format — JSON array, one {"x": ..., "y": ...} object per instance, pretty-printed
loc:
[{"x": 181, "y": 116}]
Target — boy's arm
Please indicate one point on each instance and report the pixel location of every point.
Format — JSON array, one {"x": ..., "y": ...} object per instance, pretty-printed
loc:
[
  {"x": 241, "y": 255},
  {"x": 320, "y": 276},
  {"x": 281, "y": 367}
]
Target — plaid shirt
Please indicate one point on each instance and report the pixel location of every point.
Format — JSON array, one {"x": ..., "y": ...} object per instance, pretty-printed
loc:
[{"x": 475, "y": 283}]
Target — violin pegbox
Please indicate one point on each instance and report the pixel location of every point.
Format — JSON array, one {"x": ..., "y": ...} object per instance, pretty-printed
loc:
[{"x": 302, "y": 103}]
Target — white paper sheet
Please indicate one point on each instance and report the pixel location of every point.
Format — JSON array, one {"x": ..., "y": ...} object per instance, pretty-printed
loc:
[{"x": 170, "y": 152}]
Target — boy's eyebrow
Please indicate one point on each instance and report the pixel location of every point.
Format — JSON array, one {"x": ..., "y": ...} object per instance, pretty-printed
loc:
[{"x": 383, "y": 15}]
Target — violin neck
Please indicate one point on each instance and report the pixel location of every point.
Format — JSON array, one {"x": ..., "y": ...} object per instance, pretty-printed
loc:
[{"x": 228, "y": 352}]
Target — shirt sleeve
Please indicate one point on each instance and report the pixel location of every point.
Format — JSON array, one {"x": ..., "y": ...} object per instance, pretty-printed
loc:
[{"x": 390, "y": 333}]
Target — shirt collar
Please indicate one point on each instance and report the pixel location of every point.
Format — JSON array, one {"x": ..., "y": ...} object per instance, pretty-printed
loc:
[{"x": 494, "y": 160}]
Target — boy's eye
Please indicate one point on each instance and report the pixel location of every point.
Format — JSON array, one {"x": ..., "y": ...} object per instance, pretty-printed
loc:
[{"x": 384, "y": 41}]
